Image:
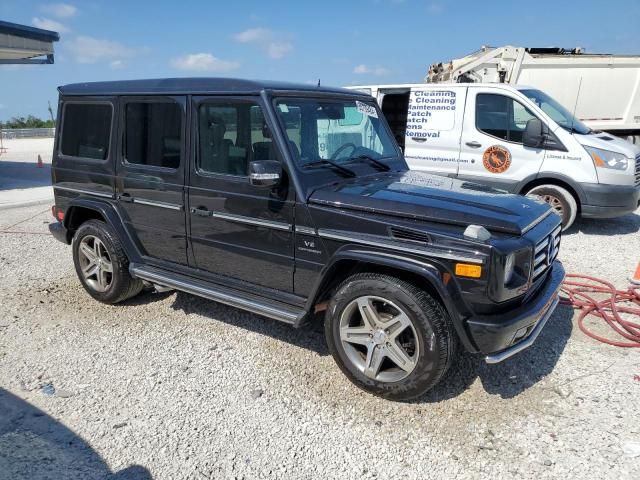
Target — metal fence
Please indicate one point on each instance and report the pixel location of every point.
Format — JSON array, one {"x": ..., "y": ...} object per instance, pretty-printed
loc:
[{"x": 27, "y": 133}]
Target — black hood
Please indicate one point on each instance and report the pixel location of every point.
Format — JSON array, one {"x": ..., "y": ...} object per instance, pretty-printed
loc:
[{"x": 434, "y": 198}]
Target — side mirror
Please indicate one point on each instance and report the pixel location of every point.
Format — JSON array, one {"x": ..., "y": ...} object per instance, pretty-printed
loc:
[
  {"x": 533, "y": 135},
  {"x": 265, "y": 173}
]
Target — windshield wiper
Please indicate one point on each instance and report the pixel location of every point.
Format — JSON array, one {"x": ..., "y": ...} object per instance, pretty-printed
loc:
[
  {"x": 344, "y": 170},
  {"x": 381, "y": 166}
]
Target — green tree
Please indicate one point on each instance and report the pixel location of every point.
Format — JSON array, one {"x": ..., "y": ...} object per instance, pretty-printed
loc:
[{"x": 28, "y": 122}]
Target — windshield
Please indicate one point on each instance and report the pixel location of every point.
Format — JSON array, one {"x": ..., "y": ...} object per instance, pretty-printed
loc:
[
  {"x": 334, "y": 130},
  {"x": 557, "y": 112}
]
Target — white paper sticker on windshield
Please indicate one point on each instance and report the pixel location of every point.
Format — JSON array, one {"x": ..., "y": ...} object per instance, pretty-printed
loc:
[
  {"x": 368, "y": 110},
  {"x": 283, "y": 107}
]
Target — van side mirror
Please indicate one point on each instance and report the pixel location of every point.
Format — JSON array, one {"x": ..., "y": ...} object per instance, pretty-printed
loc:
[
  {"x": 265, "y": 173},
  {"x": 534, "y": 135}
]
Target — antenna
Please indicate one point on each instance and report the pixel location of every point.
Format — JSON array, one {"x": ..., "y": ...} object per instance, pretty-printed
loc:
[{"x": 575, "y": 107}]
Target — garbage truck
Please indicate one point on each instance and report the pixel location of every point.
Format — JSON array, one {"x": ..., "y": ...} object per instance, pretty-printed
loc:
[{"x": 601, "y": 90}]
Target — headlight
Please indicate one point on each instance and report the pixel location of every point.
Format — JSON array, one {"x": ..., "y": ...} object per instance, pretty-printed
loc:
[
  {"x": 508, "y": 268},
  {"x": 607, "y": 159}
]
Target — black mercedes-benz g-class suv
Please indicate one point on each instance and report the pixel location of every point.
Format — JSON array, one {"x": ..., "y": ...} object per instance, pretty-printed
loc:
[{"x": 289, "y": 200}]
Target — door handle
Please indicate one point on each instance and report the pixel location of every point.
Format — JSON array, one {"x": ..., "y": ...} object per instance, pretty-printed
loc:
[
  {"x": 473, "y": 144},
  {"x": 418, "y": 139},
  {"x": 126, "y": 197},
  {"x": 201, "y": 212}
]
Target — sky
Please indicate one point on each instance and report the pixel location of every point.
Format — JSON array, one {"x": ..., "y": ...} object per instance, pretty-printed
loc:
[{"x": 344, "y": 42}]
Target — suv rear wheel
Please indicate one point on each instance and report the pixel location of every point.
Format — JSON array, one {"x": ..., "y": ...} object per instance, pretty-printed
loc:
[
  {"x": 389, "y": 337},
  {"x": 101, "y": 264}
]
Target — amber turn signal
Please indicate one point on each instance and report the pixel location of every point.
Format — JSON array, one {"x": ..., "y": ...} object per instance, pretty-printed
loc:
[{"x": 468, "y": 270}]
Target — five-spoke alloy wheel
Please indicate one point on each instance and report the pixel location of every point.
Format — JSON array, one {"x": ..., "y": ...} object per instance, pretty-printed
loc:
[
  {"x": 388, "y": 336},
  {"x": 95, "y": 263},
  {"x": 101, "y": 263},
  {"x": 379, "y": 338}
]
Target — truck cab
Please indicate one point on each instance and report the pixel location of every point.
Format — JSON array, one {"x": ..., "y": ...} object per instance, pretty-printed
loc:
[{"x": 518, "y": 139}]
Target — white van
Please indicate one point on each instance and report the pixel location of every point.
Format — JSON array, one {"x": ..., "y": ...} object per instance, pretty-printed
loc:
[{"x": 514, "y": 138}]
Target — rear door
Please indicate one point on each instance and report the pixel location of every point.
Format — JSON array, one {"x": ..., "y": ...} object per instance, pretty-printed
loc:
[
  {"x": 492, "y": 150},
  {"x": 150, "y": 175},
  {"x": 434, "y": 125}
]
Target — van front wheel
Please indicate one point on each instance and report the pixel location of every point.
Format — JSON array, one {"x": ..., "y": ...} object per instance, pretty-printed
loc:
[{"x": 560, "y": 200}]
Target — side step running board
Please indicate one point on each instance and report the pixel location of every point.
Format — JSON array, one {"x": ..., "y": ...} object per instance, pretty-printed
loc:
[{"x": 228, "y": 296}]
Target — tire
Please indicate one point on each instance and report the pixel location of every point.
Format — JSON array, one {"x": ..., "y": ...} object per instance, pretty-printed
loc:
[
  {"x": 560, "y": 199},
  {"x": 423, "y": 332},
  {"x": 101, "y": 264}
]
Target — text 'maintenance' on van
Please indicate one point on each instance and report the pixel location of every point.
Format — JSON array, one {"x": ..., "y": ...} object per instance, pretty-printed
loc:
[{"x": 514, "y": 138}]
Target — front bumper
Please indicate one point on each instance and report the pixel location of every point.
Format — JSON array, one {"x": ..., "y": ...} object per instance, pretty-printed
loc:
[
  {"x": 495, "y": 335},
  {"x": 607, "y": 201},
  {"x": 59, "y": 232}
]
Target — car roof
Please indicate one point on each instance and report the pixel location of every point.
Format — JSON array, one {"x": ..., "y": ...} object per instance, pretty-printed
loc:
[{"x": 197, "y": 85}]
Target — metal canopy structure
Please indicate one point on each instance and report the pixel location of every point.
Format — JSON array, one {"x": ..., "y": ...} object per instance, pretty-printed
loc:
[{"x": 21, "y": 44}]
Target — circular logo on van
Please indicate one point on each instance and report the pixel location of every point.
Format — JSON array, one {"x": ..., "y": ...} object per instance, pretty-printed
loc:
[{"x": 496, "y": 159}]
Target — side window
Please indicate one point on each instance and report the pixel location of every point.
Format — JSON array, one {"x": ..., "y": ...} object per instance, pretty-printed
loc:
[
  {"x": 232, "y": 134},
  {"x": 521, "y": 115},
  {"x": 261, "y": 141},
  {"x": 492, "y": 113},
  {"x": 153, "y": 134},
  {"x": 86, "y": 130},
  {"x": 501, "y": 117}
]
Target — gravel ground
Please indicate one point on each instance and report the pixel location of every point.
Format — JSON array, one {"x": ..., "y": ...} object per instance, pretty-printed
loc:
[{"x": 172, "y": 386}]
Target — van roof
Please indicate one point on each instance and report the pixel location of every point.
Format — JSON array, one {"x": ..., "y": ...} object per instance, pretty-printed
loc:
[
  {"x": 441, "y": 85},
  {"x": 174, "y": 86}
]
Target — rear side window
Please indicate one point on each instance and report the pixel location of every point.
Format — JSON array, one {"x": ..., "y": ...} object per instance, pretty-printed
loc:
[
  {"x": 501, "y": 116},
  {"x": 86, "y": 130},
  {"x": 153, "y": 134}
]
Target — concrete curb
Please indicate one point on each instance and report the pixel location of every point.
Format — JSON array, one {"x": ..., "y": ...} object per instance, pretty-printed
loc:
[{"x": 28, "y": 203}]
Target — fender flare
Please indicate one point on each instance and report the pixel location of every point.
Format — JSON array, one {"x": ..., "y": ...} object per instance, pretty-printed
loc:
[
  {"x": 111, "y": 216},
  {"x": 430, "y": 271}
]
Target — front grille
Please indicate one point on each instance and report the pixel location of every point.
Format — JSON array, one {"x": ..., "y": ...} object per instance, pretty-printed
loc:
[
  {"x": 545, "y": 253},
  {"x": 637, "y": 170}
]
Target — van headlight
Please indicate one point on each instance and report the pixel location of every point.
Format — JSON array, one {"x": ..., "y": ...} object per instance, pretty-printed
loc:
[
  {"x": 509, "y": 266},
  {"x": 607, "y": 158}
]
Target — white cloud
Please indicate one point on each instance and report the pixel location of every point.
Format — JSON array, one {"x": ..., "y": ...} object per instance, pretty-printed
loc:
[
  {"x": 203, "y": 62},
  {"x": 48, "y": 24},
  {"x": 270, "y": 41},
  {"x": 60, "y": 10},
  {"x": 116, "y": 64},
  {"x": 92, "y": 50},
  {"x": 363, "y": 69}
]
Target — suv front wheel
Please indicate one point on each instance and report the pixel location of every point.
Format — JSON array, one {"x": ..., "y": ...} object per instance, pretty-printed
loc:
[
  {"x": 101, "y": 264},
  {"x": 389, "y": 337}
]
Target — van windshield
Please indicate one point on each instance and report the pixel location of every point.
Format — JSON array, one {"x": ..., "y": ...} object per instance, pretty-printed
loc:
[
  {"x": 557, "y": 112},
  {"x": 339, "y": 131}
]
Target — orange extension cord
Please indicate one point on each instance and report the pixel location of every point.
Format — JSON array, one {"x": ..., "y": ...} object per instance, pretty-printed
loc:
[{"x": 578, "y": 290}]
